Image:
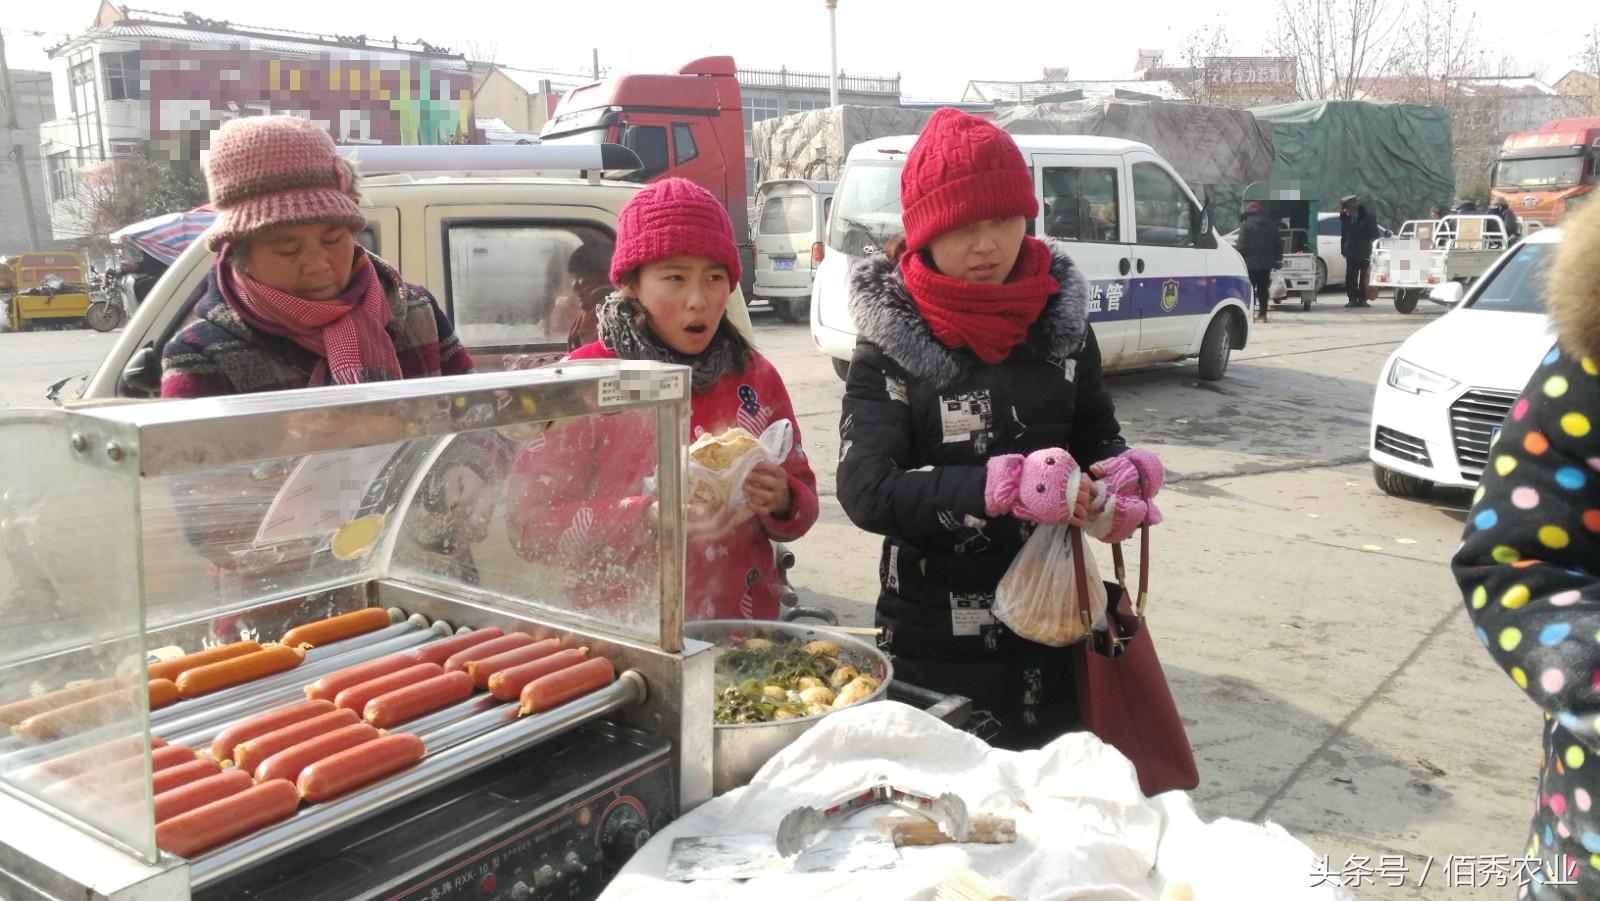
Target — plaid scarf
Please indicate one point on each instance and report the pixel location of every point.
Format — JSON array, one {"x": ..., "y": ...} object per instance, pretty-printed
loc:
[
  {"x": 347, "y": 333},
  {"x": 622, "y": 337}
]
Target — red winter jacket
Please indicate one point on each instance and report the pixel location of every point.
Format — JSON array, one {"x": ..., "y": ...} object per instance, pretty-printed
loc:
[{"x": 580, "y": 494}]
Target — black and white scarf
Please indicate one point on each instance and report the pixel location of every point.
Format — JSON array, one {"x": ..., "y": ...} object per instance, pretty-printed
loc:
[{"x": 622, "y": 337}]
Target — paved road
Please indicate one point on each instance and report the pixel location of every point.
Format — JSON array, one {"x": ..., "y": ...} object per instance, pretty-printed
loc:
[{"x": 1309, "y": 625}]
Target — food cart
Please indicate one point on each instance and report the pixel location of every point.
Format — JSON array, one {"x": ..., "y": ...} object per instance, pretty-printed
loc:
[
  {"x": 1295, "y": 211},
  {"x": 43, "y": 288},
  {"x": 195, "y": 523}
]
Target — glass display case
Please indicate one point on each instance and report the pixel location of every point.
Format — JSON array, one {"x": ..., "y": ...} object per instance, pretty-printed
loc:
[{"x": 132, "y": 533}]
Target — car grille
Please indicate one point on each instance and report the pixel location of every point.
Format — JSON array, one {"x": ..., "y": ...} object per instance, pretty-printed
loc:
[
  {"x": 1406, "y": 447},
  {"x": 1473, "y": 418}
]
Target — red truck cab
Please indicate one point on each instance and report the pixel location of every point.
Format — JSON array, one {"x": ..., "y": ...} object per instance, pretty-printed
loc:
[
  {"x": 1540, "y": 173},
  {"x": 685, "y": 125}
]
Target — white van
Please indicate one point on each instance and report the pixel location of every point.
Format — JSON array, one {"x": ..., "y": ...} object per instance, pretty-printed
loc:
[
  {"x": 789, "y": 236},
  {"x": 1164, "y": 287}
]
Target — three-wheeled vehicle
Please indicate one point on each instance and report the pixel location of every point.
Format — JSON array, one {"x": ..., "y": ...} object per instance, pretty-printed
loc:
[
  {"x": 43, "y": 288},
  {"x": 1295, "y": 211}
]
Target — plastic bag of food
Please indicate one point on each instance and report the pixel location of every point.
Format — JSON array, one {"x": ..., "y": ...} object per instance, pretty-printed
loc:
[
  {"x": 1038, "y": 596},
  {"x": 719, "y": 464}
]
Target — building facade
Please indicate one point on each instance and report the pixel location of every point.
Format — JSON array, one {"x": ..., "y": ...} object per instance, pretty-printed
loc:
[
  {"x": 19, "y": 154},
  {"x": 150, "y": 85}
]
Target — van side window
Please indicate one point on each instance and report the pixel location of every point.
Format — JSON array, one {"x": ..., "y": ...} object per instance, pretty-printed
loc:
[
  {"x": 1080, "y": 204},
  {"x": 650, "y": 142},
  {"x": 511, "y": 283},
  {"x": 1163, "y": 215},
  {"x": 683, "y": 146}
]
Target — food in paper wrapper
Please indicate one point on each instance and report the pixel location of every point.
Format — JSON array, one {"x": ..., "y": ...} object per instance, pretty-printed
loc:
[{"x": 719, "y": 463}]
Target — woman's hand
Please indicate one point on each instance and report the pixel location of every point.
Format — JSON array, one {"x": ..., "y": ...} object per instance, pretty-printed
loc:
[
  {"x": 767, "y": 490},
  {"x": 1082, "y": 506}
]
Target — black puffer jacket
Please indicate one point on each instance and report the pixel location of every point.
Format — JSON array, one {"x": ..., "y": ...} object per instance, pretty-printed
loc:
[
  {"x": 1259, "y": 242},
  {"x": 921, "y": 420},
  {"x": 1356, "y": 235}
]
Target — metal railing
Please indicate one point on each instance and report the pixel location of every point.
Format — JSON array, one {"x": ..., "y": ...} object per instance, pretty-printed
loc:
[{"x": 812, "y": 81}]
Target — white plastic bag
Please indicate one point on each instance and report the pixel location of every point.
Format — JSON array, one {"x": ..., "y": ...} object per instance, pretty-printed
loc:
[
  {"x": 1038, "y": 596},
  {"x": 725, "y": 487},
  {"x": 1279, "y": 289}
]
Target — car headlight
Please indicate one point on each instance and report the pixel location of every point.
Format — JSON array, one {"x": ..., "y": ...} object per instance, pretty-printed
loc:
[{"x": 1411, "y": 377}]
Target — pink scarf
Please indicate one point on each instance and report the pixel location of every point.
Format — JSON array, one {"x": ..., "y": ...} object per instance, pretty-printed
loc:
[{"x": 347, "y": 333}]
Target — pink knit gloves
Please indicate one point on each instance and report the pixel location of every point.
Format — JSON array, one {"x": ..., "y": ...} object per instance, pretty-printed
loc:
[
  {"x": 1042, "y": 487},
  {"x": 1129, "y": 483}
]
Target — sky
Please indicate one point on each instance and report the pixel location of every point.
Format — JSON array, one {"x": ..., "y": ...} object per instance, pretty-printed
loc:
[{"x": 935, "y": 45}]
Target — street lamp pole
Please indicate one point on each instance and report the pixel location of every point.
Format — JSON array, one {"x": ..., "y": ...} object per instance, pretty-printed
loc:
[{"x": 833, "y": 53}]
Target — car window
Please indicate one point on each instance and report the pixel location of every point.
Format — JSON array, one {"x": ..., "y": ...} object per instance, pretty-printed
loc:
[
  {"x": 786, "y": 216},
  {"x": 1517, "y": 286},
  {"x": 1080, "y": 203},
  {"x": 508, "y": 281},
  {"x": 683, "y": 146},
  {"x": 1162, "y": 214},
  {"x": 1330, "y": 227}
]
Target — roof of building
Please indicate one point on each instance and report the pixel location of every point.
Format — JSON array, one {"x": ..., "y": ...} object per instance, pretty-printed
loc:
[
  {"x": 1033, "y": 91},
  {"x": 529, "y": 79},
  {"x": 1519, "y": 85}
]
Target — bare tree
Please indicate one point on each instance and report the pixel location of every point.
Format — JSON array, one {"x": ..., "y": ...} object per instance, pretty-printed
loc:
[
  {"x": 107, "y": 196},
  {"x": 1203, "y": 43},
  {"x": 1338, "y": 44},
  {"x": 1442, "y": 47},
  {"x": 1589, "y": 57}
]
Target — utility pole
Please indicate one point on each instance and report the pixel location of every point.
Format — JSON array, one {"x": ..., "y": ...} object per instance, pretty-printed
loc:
[
  {"x": 833, "y": 53},
  {"x": 16, "y": 152},
  {"x": 596, "y": 64}
]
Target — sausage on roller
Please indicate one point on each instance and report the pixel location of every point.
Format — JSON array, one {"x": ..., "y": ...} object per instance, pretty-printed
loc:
[
  {"x": 507, "y": 684},
  {"x": 481, "y": 670},
  {"x": 333, "y": 776},
  {"x": 356, "y": 696},
  {"x": 17, "y": 711},
  {"x": 177, "y": 666},
  {"x": 188, "y": 834},
  {"x": 184, "y": 773},
  {"x": 328, "y": 687},
  {"x": 237, "y": 734},
  {"x": 337, "y": 628},
  {"x": 459, "y": 660},
  {"x": 162, "y": 693},
  {"x": 441, "y": 650},
  {"x": 170, "y": 756},
  {"x": 400, "y": 705},
  {"x": 288, "y": 763},
  {"x": 249, "y": 755},
  {"x": 215, "y": 676},
  {"x": 185, "y": 798},
  {"x": 565, "y": 685},
  {"x": 80, "y": 716}
]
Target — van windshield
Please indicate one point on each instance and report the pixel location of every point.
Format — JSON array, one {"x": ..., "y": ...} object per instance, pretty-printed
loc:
[
  {"x": 866, "y": 208},
  {"x": 786, "y": 216}
]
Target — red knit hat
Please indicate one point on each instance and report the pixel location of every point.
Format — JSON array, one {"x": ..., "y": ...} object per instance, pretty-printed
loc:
[
  {"x": 264, "y": 171},
  {"x": 961, "y": 170},
  {"x": 673, "y": 218}
]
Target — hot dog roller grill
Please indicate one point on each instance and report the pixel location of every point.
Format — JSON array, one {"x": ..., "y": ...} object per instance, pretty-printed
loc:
[{"x": 137, "y": 529}]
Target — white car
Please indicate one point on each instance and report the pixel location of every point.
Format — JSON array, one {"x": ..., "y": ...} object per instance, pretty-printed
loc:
[{"x": 1445, "y": 391}]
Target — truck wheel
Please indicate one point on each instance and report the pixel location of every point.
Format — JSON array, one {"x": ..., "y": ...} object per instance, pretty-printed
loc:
[
  {"x": 1217, "y": 347},
  {"x": 791, "y": 309},
  {"x": 102, "y": 316},
  {"x": 1307, "y": 298},
  {"x": 1406, "y": 301},
  {"x": 841, "y": 368},
  {"x": 1398, "y": 484},
  {"x": 1322, "y": 277}
]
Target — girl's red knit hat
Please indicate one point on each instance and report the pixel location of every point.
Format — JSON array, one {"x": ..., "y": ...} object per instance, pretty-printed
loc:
[
  {"x": 962, "y": 170},
  {"x": 673, "y": 218}
]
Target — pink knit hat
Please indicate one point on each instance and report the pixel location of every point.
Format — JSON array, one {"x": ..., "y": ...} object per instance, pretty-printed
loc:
[
  {"x": 673, "y": 218},
  {"x": 264, "y": 171},
  {"x": 962, "y": 169}
]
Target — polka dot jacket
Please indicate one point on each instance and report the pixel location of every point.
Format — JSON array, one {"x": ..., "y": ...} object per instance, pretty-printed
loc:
[{"x": 1529, "y": 569}]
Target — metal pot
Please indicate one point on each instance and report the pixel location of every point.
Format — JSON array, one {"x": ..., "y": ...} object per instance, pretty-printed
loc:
[{"x": 739, "y": 750}]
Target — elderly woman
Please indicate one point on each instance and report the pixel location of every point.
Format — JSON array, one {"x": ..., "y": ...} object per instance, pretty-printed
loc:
[{"x": 294, "y": 301}]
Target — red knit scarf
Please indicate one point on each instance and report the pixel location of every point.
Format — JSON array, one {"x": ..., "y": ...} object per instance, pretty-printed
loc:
[
  {"x": 347, "y": 333},
  {"x": 990, "y": 319}
]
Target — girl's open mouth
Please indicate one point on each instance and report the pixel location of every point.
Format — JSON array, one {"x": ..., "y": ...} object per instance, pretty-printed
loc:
[{"x": 696, "y": 329}]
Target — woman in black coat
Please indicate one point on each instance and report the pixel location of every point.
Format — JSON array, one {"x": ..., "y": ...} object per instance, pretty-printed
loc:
[{"x": 974, "y": 350}]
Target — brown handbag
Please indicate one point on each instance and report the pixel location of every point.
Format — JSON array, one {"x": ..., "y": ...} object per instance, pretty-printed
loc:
[{"x": 1123, "y": 696}]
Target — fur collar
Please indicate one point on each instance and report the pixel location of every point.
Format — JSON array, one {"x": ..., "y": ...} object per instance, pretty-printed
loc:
[
  {"x": 886, "y": 315},
  {"x": 1572, "y": 288}
]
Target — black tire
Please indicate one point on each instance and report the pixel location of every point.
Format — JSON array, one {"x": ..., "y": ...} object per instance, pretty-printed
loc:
[
  {"x": 841, "y": 368},
  {"x": 1406, "y": 301},
  {"x": 1398, "y": 484},
  {"x": 1217, "y": 347},
  {"x": 103, "y": 317},
  {"x": 1322, "y": 277},
  {"x": 791, "y": 309},
  {"x": 1307, "y": 299}
]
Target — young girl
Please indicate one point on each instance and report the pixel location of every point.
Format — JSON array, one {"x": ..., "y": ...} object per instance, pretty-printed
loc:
[
  {"x": 975, "y": 350},
  {"x": 579, "y": 495}
]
